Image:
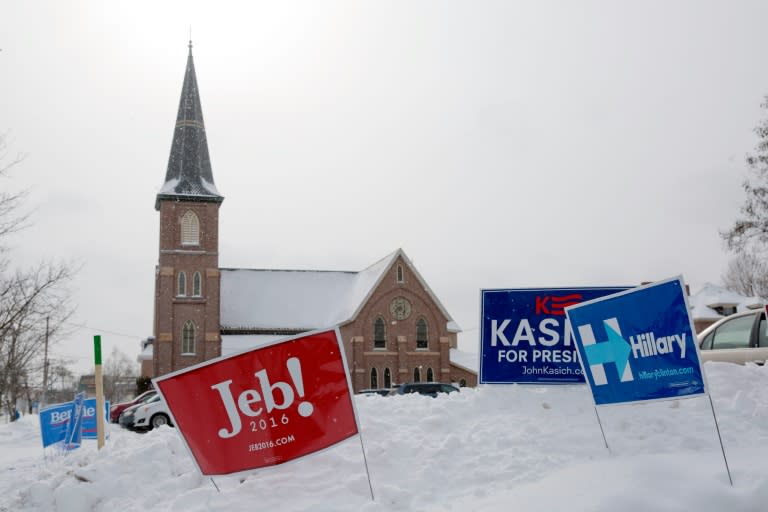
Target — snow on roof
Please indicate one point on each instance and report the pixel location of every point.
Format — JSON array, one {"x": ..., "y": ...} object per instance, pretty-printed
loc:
[
  {"x": 468, "y": 360},
  {"x": 203, "y": 188},
  {"x": 710, "y": 295},
  {"x": 145, "y": 354},
  {"x": 295, "y": 299},
  {"x": 234, "y": 343}
]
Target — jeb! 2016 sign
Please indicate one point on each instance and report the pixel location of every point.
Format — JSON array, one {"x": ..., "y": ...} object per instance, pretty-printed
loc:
[
  {"x": 638, "y": 345},
  {"x": 264, "y": 407},
  {"x": 525, "y": 337}
]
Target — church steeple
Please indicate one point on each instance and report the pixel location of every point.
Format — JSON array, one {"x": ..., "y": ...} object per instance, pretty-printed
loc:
[
  {"x": 189, "y": 176},
  {"x": 187, "y": 280}
]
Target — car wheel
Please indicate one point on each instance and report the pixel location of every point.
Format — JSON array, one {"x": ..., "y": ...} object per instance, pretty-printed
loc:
[{"x": 159, "y": 420}]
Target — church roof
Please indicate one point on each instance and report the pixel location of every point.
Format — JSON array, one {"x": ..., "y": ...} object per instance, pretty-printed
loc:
[
  {"x": 300, "y": 300},
  {"x": 189, "y": 174}
]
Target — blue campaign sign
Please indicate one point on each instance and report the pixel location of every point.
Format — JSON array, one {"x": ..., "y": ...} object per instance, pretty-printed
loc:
[
  {"x": 53, "y": 423},
  {"x": 638, "y": 345},
  {"x": 89, "y": 417},
  {"x": 74, "y": 426},
  {"x": 525, "y": 337}
]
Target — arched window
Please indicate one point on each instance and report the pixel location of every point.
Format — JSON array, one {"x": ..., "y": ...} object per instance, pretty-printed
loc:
[
  {"x": 188, "y": 338},
  {"x": 190, "y": 229},
  {"x": 182, "y": 290},
  {"x": 197, "y": 285},
  {"x": 463, "y": 383},
  {"x": 416, "y": 375},
  {"x": 387, "y": 378},
  {"x": 421, "y": 333},
  {"x": 374, "y": 378},
  {"x": 399, "y": 273},
  {"x": 379, "y": 334},
  {"x": 430, "y": 375}
]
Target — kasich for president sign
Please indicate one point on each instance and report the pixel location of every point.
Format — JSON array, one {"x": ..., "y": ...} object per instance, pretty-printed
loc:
[
  {"x": 263, "y": 407},
  {"x": 638, "y": 345},
  {"x": 525, "y": 337}
]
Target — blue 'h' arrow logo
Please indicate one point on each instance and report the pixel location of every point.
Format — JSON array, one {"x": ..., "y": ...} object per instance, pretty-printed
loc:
[{"x": 616, "y": 350}]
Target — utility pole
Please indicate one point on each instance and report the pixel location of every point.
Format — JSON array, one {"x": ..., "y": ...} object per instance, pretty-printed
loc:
[{"x": 45, "y": 369}]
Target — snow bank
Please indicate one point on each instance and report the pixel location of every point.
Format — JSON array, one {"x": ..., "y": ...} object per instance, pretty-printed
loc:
[{"x": 491, "y": 449}]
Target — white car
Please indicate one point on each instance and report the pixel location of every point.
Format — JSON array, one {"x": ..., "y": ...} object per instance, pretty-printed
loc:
[
  {"x": 739, "y": 338},
  {"x": 151, "y": 414}
]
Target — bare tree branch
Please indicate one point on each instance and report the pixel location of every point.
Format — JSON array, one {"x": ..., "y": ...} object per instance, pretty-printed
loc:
[
  {"x": 34, "y": 302},
  {"x": 750, "y": 230}
]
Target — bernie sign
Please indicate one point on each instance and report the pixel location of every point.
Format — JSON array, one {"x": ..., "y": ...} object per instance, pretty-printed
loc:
[{"x": 56, "y": 424}]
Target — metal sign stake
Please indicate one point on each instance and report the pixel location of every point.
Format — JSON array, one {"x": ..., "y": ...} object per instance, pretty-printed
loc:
[
  {"x": 365, "y": 461},
  {"x": 722, "y": 449},
  {"x": 602, "y": 431}
]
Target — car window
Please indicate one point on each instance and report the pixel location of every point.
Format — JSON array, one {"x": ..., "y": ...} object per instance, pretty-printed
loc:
[
  {"x": 734, "y": 333},
  {"x": 762, "y": 336},
  {"x": 706, "y": 344}
]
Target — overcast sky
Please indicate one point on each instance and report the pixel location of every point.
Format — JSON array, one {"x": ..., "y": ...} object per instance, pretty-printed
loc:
[{"x": 500, "y": 144}]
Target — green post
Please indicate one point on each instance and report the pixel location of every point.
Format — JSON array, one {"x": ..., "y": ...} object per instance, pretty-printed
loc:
[
  {"x": 99, "y": 391},
  {"x": 97, "y": 349}
]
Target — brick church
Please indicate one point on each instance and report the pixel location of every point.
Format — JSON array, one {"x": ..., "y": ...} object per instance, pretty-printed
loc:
[{"x": 393, "y": 326}]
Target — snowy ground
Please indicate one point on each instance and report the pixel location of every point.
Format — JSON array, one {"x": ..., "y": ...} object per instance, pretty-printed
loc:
[{"x": 495, "y": 448}]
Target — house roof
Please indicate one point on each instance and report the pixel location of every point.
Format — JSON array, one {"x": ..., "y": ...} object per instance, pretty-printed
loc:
[
  {"x": 189, "y": 174},
  {"x": 710, "y": 296},
  {"x": 300, "y": 300}
]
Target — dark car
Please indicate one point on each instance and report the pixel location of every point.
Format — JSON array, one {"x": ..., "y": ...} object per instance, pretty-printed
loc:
[
  {"x": 115, "y": 410},
  {"x": 377, "y": 391},
  {"x": 424, "y": 388},
  {"x": 127, "y": 417}
]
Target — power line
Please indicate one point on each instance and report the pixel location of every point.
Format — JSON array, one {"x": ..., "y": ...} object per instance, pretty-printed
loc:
[{"x": 89, "y": 327}]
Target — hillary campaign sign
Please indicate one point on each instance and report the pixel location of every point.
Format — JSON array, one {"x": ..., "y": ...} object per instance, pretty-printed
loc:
[
  {"x": 638, "y": 345},
  {"x": 525, "y": 337},
  {"x": 263, "y": 407}
]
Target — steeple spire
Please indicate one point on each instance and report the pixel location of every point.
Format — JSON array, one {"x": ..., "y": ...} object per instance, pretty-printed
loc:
[{"x": 189, "y": 174}]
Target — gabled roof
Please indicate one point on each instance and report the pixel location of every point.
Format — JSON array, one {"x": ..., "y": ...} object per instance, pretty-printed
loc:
[
  {"x": 300, "y": 300},
  {"x": 704, "y": 301},
  {"x": 189, "y": 174}
]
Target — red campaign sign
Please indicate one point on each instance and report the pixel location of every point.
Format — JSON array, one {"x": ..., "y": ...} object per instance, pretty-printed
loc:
[{"x": 264, "y": 407}]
